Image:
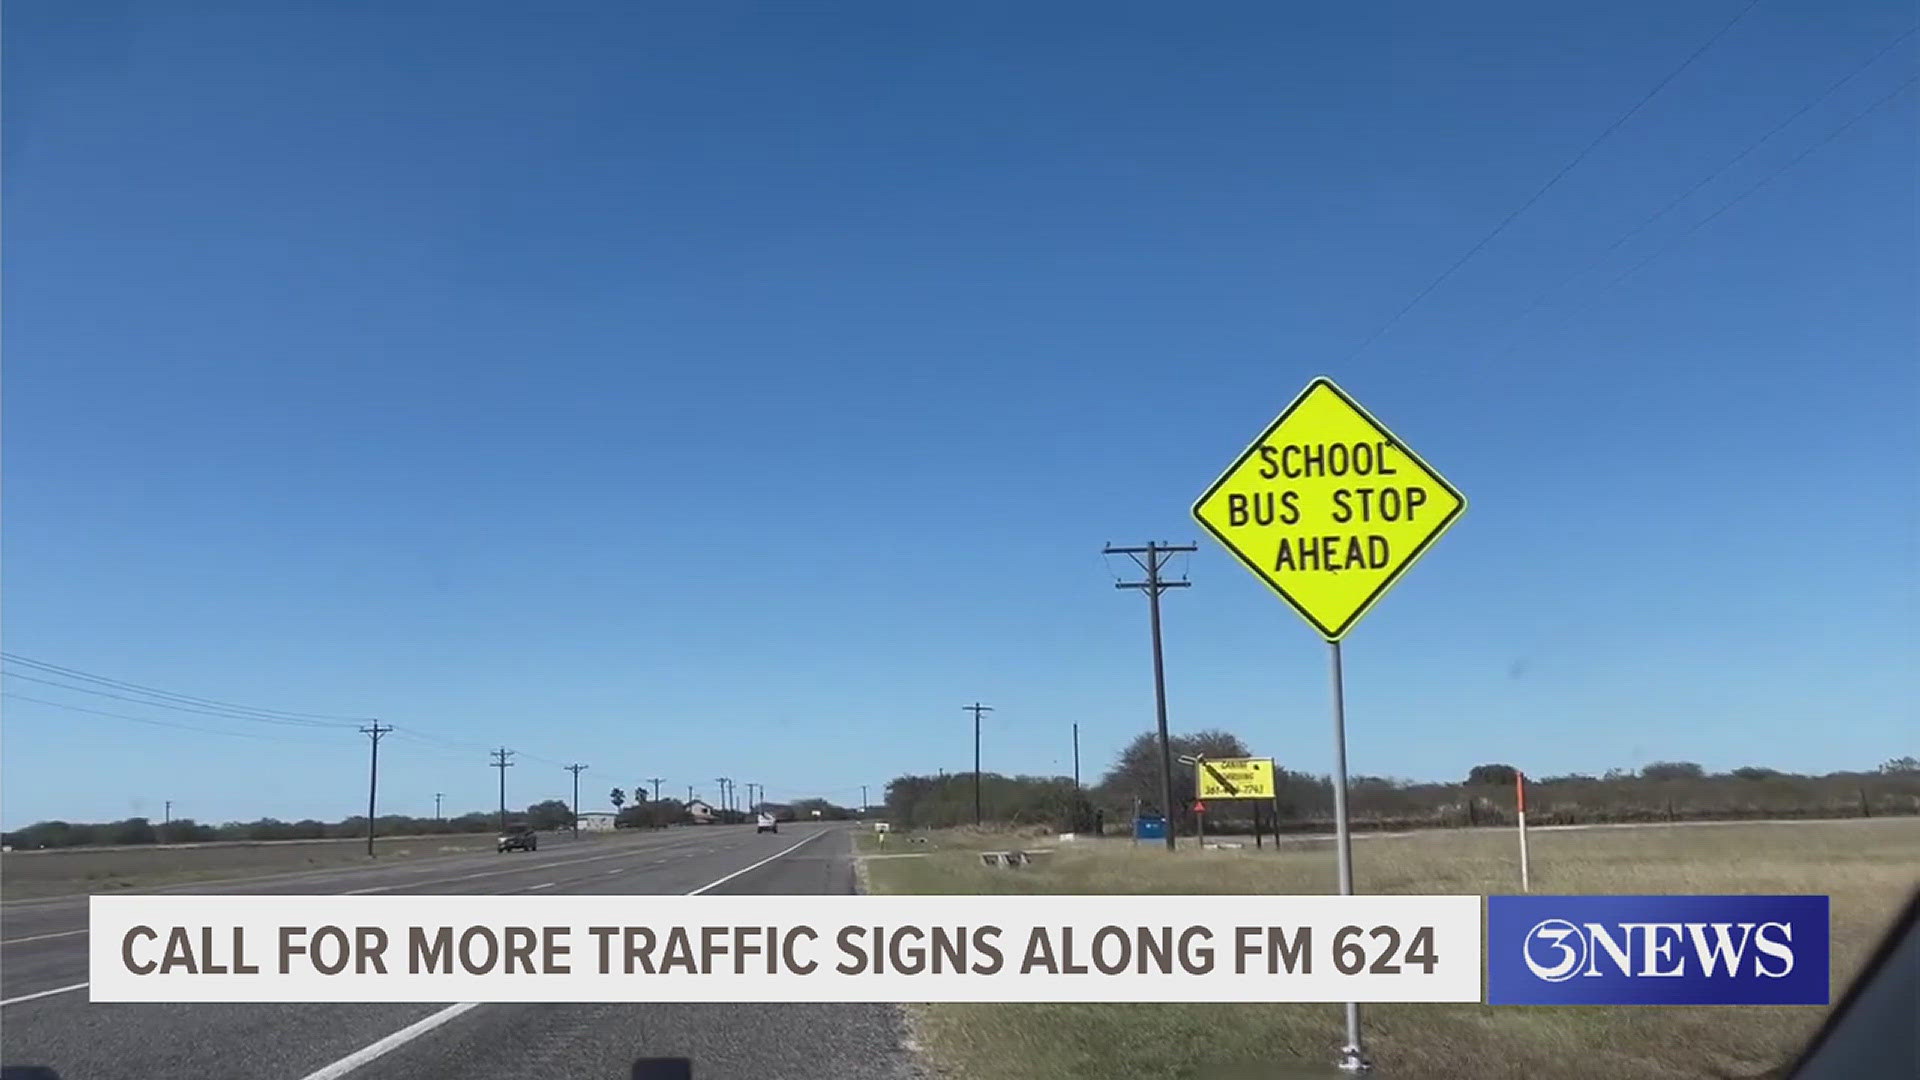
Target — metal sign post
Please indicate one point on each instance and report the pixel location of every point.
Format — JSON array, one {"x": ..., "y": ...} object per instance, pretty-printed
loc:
[
  {"x": 1352, "y": 1057},
  {"x": 1329, "y": 509}
]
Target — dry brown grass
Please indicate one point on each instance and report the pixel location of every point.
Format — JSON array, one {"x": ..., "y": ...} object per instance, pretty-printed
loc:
[
  {"x": 1869, "y": 868},
  {"x": 72, "y": 871}
]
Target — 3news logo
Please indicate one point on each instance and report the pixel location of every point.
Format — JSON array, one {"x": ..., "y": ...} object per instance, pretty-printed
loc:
[{"x": 1657, "y": 950}]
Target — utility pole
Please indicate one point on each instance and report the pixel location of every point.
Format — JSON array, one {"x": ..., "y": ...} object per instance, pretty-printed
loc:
[
  {"x": 500, "y": 762},
  {"x": 1154, "y": 585},
  {"x": 576, "y": 770},
  {"x": 689, "y": 792},
  {"x": 863, "y": 800},
  {"x": 1076, "y": 759},
  {"x": 976, "y": 709},
  {"x": 655, "y": 781},
  {"x": 723, "y": 782},
  {"x": 436, "y": 804},
  {"x": 167, "y": 818},
  {"x": 372, "y": 731}
]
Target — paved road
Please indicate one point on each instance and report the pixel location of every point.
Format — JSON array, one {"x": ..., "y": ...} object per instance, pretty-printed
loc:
[{"x": 47, "y": 1023}]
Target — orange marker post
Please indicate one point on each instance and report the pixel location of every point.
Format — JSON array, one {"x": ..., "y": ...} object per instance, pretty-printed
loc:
[{"x": 1520, "y": 801}]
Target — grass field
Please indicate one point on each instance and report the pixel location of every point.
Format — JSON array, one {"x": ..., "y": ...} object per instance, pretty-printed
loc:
[
  {"x": 69, "y": 871},
  {"x": 1869, "y": 868}
]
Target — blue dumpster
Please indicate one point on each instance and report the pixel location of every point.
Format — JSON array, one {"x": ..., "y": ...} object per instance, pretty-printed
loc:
[{"x": 1150, "y": 828}]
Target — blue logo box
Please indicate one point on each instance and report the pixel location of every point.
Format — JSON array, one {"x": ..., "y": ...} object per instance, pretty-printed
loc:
[{"x": 1657, "y": 950}]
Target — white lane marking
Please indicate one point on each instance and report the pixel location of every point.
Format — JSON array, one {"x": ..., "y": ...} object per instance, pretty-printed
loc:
[
  {"x": 41, "y": 937},
  {"x": 392, "y": 1042},
  {"x": 413, "y": 1031},
  {"x": 616, "y": 870},
  {"x": 749, "y": 869},
  {"x": 542, "y": 885},
  {"x": 481, "y": 874},
  {"x": 44, "y": 993}
]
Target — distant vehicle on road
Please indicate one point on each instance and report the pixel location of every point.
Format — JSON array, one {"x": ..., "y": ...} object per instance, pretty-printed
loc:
[
  {"x": 519, "y": 840},
  {"x": 766, "y": 823}
]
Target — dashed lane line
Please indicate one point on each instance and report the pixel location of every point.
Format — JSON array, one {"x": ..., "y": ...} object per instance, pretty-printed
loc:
[{"x": 420, "y": 1027}]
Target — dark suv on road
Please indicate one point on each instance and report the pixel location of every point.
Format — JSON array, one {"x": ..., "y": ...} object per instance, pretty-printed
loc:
[{"x": 519, "y": 840}]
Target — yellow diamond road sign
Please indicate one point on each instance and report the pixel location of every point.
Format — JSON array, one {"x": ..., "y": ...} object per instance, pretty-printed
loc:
[{"x": 1328, "y": 508}]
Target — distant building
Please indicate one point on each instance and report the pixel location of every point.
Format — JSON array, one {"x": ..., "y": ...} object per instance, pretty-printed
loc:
[
  {"x": 700, "y": 812},
  {"x": 596, "y": 821}
]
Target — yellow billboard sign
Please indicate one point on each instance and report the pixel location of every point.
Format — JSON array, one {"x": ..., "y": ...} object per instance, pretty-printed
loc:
[
  {"x": 1328, "y": 508},
  {"x": 1235, "y": 778}
]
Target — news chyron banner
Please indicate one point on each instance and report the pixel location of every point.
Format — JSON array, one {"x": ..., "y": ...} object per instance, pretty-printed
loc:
[
  {"x": 1658, "y": 950},
  {"x": 784, "y": 949}
]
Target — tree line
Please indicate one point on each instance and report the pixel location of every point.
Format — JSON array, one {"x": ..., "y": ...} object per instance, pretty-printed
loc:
[
  {"x": 546, "y": 815},
  {"x": 1660, "y": 791}
]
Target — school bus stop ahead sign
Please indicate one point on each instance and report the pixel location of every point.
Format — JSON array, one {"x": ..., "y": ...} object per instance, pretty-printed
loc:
[{"x": 1328, "y": 508}]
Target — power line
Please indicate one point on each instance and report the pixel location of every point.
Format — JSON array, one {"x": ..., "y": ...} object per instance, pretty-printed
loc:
[
  {"x": 190, "y": 703},
  {"x": 444, "y": 745},
  {"x": 1548, "y": 186},
  {"x": 154, "y": 697},
  {"x": 164, "y": 723},
  {"x": 222, "y": 713},
  {"x": 438, "y": 745},
  {"x": 1742, "y": 197},
  {"x": 1756, "y": 144},
  {"x": 1765, "y": 180},
  {"x": 261, "y": 713}
]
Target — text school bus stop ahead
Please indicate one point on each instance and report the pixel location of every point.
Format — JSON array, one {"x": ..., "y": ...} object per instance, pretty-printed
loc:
[{"x": 1328, "y": 508}]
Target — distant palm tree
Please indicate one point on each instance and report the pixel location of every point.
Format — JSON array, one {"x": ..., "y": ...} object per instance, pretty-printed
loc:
[{"x": 616, "y": 796}]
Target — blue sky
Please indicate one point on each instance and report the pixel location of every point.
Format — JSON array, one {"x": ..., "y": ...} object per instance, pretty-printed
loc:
[{"x": 699, "y": 390}]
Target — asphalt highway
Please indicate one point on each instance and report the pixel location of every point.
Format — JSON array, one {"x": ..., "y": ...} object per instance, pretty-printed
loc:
[{"x": 47, "y": 1023}]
